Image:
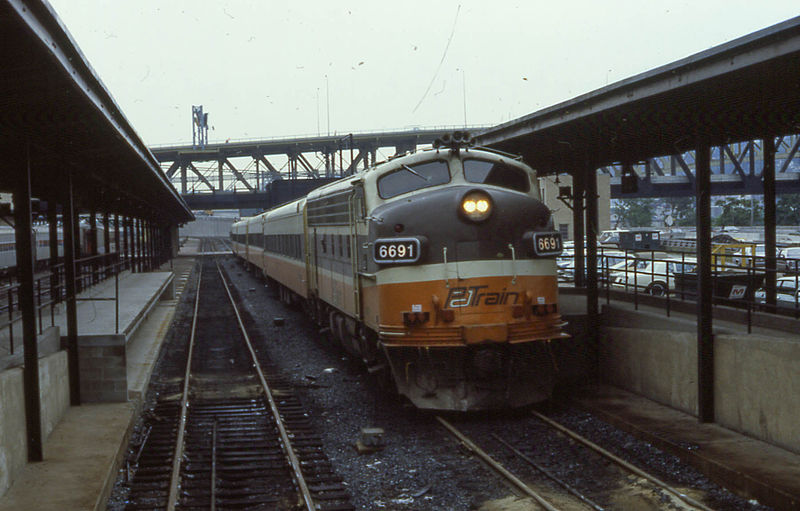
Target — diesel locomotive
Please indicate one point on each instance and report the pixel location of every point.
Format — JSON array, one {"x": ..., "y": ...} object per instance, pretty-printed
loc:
[{"x": 437, "y": 268}]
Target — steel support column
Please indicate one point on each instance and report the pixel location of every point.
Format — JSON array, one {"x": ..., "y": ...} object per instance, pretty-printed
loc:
[
  {"x": 705, "y": 338},
  {"x": 145, "y": 241},
  {"x": 93, "y": 249},
  {"x": 52, "y": 224},
  {"x": 25, "y": 262},
  {"x": 143, "y": 263},
  {"x": 592, "y": 223},
  {"x": 148, "y": 244},
  {"x": 68, "y": 220},
  {"x": 152, "y": 244},
  {"x": 159, "y": 247},
  {"x": 80, "y": 242},
  {"x": 578, "y": 227},
  {"x": 116, "y": 235},
  {"x": 770, "y": 238},
  {"x": 132, "y": 243},
  {"x": 106, "y": 234},
  {"x": 126, "y": 222},
  {"x": 137, "y": 246},
  {"x": 146, "y": 260}
]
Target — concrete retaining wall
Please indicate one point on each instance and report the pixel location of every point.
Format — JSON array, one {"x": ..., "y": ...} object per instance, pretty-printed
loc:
[
  {"x": 54, "y": 390},
  {"x": 656, "y": 356},
  {"x": 54, "y": 393},
  {"x": 659, "y": 365},
  {"x": 13, "y": 447},
  {"x": 207, "y": 227},
  {"x": 757, "y": 387}
]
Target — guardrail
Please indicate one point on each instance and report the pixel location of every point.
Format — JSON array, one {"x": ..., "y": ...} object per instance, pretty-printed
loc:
[
  {"x": 50, "y": 291},
  {"x": 737, "y": 280}
]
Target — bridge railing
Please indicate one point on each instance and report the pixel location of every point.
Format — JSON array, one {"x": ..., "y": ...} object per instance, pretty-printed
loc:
[{"x": 339, "y": 134}]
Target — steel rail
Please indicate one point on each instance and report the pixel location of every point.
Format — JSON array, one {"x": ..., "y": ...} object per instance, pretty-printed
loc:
[
  {"x": 178, "y": 455},
  {"x": 619, "y": 461},
  {"x": 517, "y": 482},
  {"x": 305, "y": 493},
  {"x": 583, "y": 498},
  {"x": 214, "y": 468}
]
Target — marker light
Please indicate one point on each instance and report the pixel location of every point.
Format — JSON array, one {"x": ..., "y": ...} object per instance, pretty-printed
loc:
[{"x": 476, "y": 206}]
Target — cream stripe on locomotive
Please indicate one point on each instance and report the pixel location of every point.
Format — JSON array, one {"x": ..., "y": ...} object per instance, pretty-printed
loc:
[{"x": 466, "y": 269}]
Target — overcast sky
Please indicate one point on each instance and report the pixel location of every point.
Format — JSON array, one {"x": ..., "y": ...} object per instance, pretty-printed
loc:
[{"x": 267, "y": 69}]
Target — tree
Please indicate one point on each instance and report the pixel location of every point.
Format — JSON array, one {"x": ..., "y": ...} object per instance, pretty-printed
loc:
[
  {"x": 682, "y": 210},
  {"x": 634, "y": 212},
  {"x": 740, "y": 211},
  {"x": 787, "y": 210}
]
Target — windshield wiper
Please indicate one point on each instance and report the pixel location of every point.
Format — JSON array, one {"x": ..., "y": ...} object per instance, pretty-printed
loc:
[{"x": 414, "y": 172}]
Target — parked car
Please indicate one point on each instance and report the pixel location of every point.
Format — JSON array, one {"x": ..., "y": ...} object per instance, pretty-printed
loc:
[
  {"x": 606, "y": 259},
  {"x": 651, "y": 276},
  {"x": 760, "y": 258},
  {"x": 787, "y": 293},
  {"x": 791, "y": 255}
]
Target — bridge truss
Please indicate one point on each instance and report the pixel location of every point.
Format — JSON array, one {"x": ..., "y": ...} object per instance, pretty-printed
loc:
[{"x": 736, "y": 169}]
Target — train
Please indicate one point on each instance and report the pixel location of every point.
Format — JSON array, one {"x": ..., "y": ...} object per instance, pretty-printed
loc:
[
  {"x": 41, "y": 240},
  {"x": 436, "y": 268}
]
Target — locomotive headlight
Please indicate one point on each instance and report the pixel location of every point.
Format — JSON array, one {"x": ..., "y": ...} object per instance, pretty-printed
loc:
[{"x": 476, "y": 206}]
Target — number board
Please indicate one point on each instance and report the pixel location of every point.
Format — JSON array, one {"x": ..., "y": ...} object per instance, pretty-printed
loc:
[
  {"x": 547, "y": 243},
  {"x": 396, "y": 250}
]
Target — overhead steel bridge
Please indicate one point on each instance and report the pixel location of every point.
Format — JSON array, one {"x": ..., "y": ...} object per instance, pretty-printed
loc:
[{"x": 254, "y": 173}]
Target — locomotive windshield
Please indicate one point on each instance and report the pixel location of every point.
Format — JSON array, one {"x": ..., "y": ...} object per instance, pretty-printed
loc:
[
  {"x": 409, "y": 178},
  {"x": 497, "y": 174}
]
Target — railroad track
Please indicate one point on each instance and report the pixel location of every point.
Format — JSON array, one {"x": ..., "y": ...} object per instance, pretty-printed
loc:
[
  {"x": 558, "y": 493},
  {"x": 229, "y": 434},
  {"x": 213, "y": 245}
]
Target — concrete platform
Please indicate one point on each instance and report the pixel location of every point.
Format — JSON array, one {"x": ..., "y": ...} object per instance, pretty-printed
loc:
[
  {"x": 189, "y": 248},
  {"x": 81, "y": 456},
  {"x": 83, "y": 453},
  {"x": 750, "y": 467}
]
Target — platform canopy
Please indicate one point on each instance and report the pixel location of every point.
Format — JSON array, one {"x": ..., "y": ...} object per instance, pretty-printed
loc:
[
  {"x": 57, "y": 117},
  {"x": 746, "y": 89}
]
